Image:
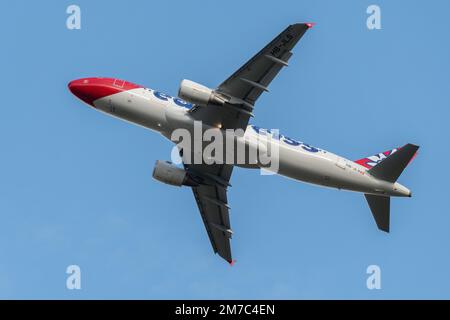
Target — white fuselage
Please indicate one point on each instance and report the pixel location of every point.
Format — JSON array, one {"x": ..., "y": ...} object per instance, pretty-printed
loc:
[{"x": 162, "y": 113}]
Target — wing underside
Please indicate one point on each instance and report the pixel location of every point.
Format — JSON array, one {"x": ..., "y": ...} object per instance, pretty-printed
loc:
[
  {"x": 240, "y": 91},
  {"x": 243, "y": 87},
  {"x": 212, "y": 202},
  {"x": 254, "y": 77}
]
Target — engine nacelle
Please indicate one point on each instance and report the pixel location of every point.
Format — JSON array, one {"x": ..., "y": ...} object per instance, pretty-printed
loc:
[
  {"x": 168, "y": 173},
  {"x": 198, "y": 94}
]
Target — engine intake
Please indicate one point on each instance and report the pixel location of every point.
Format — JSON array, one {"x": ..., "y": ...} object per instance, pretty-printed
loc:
[
  {"x": 199, "y": 94},
  {"x": 168, "y": 173}
]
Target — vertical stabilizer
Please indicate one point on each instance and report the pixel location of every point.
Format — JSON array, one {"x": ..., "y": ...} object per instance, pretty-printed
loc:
[{"x": 392, "y": 167}]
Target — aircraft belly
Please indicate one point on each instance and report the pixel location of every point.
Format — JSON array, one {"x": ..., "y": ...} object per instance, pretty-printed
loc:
[
  {"x": 135, "y": 108},
  {"x": 322, "y": 169},
  {"x": 305, "y": 167}
]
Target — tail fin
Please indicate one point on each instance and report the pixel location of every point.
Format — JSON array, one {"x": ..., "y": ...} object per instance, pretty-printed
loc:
[
  {"x": 392, "y": 167},
  {"x": 388, "y": 169},
  {"x": 372, "y": 161},
  {"x": 380, "y": 207}
]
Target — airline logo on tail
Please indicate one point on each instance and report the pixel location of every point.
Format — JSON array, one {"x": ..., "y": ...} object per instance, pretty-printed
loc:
[{"x": 372, "y": 161}]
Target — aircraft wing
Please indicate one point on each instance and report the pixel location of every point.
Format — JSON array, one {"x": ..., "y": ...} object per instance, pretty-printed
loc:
[
  {"x": 212, "y": 202},
  {"x": 240, "y": 90},
  {"x": 244, "y": 87}
]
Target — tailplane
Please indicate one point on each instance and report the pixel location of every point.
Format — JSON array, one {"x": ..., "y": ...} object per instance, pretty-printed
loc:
[
  {"x": 388, "y": 169},
  {"x": 380, "y": 207}
]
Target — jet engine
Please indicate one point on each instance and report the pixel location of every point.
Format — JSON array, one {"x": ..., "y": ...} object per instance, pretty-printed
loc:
[
  {"x": 199, "y": 94},
  {"x": 168, "y": 173}
]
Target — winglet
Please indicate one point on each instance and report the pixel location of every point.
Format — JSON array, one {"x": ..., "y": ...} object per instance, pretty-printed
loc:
[
  {"x": 232, "y": 262},
  {"x": 310, "y": 24}
]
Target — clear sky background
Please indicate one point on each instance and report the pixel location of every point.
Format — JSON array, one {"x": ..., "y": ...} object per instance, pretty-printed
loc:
[{"x": 76, "y": 185}]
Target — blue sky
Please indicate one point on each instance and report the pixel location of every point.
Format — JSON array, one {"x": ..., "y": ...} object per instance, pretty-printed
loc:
[{"x": 76, "y": 185}]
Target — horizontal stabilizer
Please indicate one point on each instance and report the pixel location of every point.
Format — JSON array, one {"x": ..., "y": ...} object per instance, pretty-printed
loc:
[
  {"x": 392, "y": 167},
  {"x": 380, "y": 207}
]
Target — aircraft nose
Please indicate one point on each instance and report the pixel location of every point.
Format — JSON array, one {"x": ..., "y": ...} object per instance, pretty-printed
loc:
[
  {"x": 88, "y": 89},
  {"x": 91, "y": 89}
]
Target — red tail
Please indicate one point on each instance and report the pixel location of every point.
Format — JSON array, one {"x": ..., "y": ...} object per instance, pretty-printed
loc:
[{"x": 372, "y": 161}]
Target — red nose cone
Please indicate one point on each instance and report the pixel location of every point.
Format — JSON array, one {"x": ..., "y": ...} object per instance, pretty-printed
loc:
[{"x": 91, "y": 89}]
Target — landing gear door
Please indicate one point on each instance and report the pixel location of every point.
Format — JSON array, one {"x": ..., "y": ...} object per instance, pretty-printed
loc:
[{"x": 111, "y": 108}]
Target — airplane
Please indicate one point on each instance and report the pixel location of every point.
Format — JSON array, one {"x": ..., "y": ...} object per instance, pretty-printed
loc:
[{"x": 230, "y": 107}]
